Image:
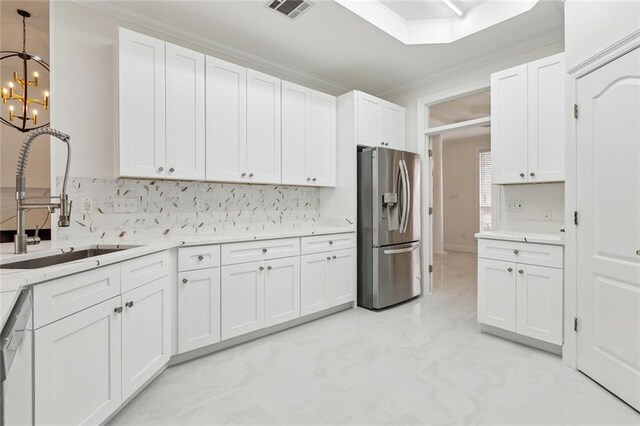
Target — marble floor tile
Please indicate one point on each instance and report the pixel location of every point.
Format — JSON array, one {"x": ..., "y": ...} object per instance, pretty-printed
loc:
[{"x": 423, "y": 362}]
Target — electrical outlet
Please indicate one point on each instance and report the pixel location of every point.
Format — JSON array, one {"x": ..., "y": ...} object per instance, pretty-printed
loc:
[
  {"x": 85, "y": 205},
  {"x": 125, "y": 205},
  {"x": 515, "y": 205}
]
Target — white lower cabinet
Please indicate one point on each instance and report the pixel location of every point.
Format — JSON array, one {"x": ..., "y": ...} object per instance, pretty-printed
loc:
[
  {"x": 343, "y": 276},
  {"x": 281, "y": 290},
  {"x": 78, "y": 367},
  {"x": 198, "y": 308},
  {"x": 328, "y": 279},
  {"x": 146, "y": 334},
  {"x": 522, "y": 298},
  {"x": 242, "y": 298}
]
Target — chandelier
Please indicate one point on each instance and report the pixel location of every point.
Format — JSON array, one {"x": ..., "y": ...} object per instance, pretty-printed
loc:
[{"x": 18, "y": 111}]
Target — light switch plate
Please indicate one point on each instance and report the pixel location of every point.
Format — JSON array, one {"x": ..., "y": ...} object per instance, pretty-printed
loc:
[{"x": 125, "y": 205}]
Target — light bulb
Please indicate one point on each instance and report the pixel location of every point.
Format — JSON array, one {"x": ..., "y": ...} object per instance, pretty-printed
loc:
[
  {"x": 4, "y": 90},
  {"x": 46, "y": 93},
  {"x": 11, "y": 108},
  {"x": 35, "y": 74},
  {"x": 11, "y": 85},
  {"x": 35, "y": 112}
]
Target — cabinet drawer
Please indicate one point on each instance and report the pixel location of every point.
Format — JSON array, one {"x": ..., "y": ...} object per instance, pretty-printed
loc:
[
  {"x": 321, "y": 243},
  {"x": 144, "y": 269},
  {"x": 528, "y": 253},
  {"x": 201, "y": 257},
  {"x": 259, "y": 250},
  {"x": 65, "y": 296}
]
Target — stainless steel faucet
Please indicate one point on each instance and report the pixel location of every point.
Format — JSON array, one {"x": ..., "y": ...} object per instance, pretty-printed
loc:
[{"x": 21, "y": 240}]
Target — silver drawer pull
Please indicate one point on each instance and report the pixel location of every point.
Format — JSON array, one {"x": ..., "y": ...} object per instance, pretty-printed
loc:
[
  {"x": 328, "y": 257},
  {"x": 520, "y": 271},
  {"x": 509, "y": 269},
  {"x": 261, "y": 268},
  {"x": 129, "y": 304},
  {"x": 638, "y": 252},
  {"x": 264, "y": 250},
  {"x": 184, "y": 281},
  {"x": 330, "y": 243},
  {"x": 201, "y": 258},
  {"x": 516, "y": 252},
  {"x": 118, "y": 310},
  {"x": 268, "y": 268},
  {"x": 402, "y": 250},
  {"x": 333, "y": 257}
]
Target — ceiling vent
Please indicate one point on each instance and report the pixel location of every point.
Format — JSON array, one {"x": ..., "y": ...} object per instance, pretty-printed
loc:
[{"x": 290, "y": 8}]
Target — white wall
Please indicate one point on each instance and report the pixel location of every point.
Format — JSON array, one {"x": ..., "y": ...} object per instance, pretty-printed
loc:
[
  {"x": 591, "y": 26},
  {"x": 409, "y": 97},
  {"x": 460, "y": 191},
  {"x": 543, "y": 208}
]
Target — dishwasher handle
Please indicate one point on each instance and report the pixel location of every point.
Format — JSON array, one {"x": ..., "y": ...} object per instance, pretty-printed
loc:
[{"x": 13, "y": 332}]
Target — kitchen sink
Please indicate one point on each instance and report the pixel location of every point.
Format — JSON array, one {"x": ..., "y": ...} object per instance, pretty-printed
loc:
[{"x": 58, "y": 259}]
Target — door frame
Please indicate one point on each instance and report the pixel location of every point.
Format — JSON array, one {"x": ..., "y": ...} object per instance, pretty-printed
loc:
[
  {"x": 571, "y": 286},
  {"x": 423, "y": 146}
]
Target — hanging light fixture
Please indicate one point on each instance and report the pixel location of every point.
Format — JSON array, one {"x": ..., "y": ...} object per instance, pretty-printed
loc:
[{"x": 17, "y": 107}]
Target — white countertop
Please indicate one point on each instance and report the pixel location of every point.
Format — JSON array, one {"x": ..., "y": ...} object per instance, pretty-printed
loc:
[
  {"x": 13, "y": 280},
  {"x": 524, "y": 237}
]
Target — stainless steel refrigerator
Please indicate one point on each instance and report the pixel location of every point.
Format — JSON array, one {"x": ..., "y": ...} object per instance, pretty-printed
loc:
[{"x": 388, "y": 227}]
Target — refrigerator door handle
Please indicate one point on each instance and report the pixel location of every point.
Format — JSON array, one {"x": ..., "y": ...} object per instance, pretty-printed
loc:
[
  {"x": 401, "y": 196},
  {"x": 402, "y": 250},
  {"x": 405, "y": 196}
]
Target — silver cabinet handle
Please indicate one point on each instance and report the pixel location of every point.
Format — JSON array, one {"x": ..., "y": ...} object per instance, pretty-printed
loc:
[
  {"x": 328, "y": 257},
  {"x": 333, "y": 257},
  {"x": 243, "y": 174},
  {"x": 382, "y": 143},
  {"x": 309, "y": 179},
  {"x": 509, "y": 269},
  {"x": 532, "y": 174},
  {"x": 314, "y": 179},
  {"x": 402, "y": 250},
  {"x": 129, "y": 304},
  {"x": 184, "y": 281},
  {"x": 118, "y": 310},
  {"x": 516, "y": 252},
  {"x": 261, "y": 268},
  {"x": 330, "y": 243},
  {"x": 638, "y": 252},
  {"x": 201, "y": 258},
  {"x": 161, "y": 169},
  {"x": 268, "y": 268},
  {"x": 264, "y": 250},
  {"x": 171, "y": 170},
  {"x": 520, "y": 271},
  {"x": 521, "y": 174},
  {"x": 250, "y": 174}
]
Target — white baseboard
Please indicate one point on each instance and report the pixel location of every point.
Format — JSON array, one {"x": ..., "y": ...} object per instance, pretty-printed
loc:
[{"x": 461, "y": 248}]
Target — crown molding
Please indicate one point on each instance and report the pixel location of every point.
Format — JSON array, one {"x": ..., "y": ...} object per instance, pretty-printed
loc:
[
  {"x": 118, "y": 11},
  {"x": 611, "y": 53},
  {"x": 479, "y": 61}
]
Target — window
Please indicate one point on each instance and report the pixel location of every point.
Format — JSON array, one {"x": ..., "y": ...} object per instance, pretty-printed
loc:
[{"x": 485, "y": 191}]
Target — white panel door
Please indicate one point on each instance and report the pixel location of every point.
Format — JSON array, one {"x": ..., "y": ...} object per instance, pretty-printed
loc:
[
  {"x": 321, "y": 143},
  {"x": 315, "y": 283},
  {"x": 343, "y": 276},
  {"x": 608, "y": 234},
  {"x": 263, "y": 128},
  {"x": 281, "y": 290},
  {"x": 368, "y": 120},
  {"x": 539, "y": 303},
  {"x": 509, "y": 125},
  {"x": 198, "y": 308},
  {"x": 296, "y": 132},
  {"x": 141, "y": 105},
  {"x": 77, "y": 364},
  {"x": 546, "y": 119},
  {"x": 497, "y": 293},
  {"x": 226, "y": 118},
  {"x": 392, "y": 123},
  {"x": 146, "y": 334},
  {"x": 185, "y": 121},
  {"x": 242, "y": 298}
]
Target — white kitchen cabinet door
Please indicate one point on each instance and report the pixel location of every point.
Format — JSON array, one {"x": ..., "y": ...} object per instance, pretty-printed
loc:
[
  {"x": 368, "y": 120},
  {"x": 296, "y": 132},
  {"x": 315, "y": 283},
  {"x": 263, "y": 128},
  {"x": 185, "y": 120},
  {"x": 392, "y": 126},
  {"x": 281, "y": 290},
  {"x": 242, "y": 298},
  {"x": 146, "y": 334},
  {"x": 198, "y": 308},
  {"x": 509, "y": 125},
  {"x": 497, "y": 293},
  {"x": 141, "y": 105},
  {"x": 539, "y": 303},
  {"x": 546, "y": 119},
  {"x": 226, "y": 120},
  {"x": 343, "y": 276},
  {"x": 78, "y": 366},
  {"x": 321, "y": 142}
]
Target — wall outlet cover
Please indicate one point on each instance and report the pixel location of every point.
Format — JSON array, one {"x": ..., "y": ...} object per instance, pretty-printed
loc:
[
  {"x": 85, "y": 205},
  {"x": 125, "y": 205}
]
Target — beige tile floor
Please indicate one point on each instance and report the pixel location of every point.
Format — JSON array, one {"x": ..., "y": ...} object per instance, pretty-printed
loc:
[{"x": 424, "y": 362}]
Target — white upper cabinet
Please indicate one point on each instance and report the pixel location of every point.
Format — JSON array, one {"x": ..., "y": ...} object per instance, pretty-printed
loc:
[
  {"x": 379, "y": 123},
  {"x": 527, "y": 122},
  {"x": 509, "y": 125},
  {"x": 308, "y": 136},
  {"x": 185, "y": 128},
  {"x": 226, "y": 147},
  {"x": 141, "y": 105},
  {"x": 263, "y": 128},
  {"x": 546, "y": 119}
]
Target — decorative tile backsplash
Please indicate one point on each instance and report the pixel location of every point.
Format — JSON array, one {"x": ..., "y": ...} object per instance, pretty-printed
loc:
[{"x": 170, "y": 207}]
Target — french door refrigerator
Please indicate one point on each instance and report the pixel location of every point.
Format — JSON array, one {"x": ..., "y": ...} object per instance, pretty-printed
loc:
[{"x": 388, "y": 227}]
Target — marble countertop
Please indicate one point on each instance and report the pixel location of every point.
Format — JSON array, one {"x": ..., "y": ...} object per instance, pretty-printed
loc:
[
  {"x": 523, "y": 237},
  {"x": 13, "y": 280}
]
